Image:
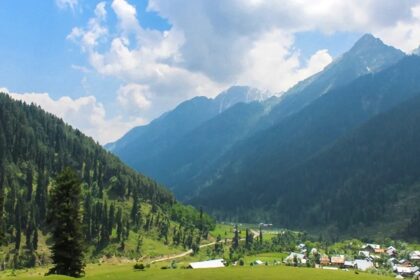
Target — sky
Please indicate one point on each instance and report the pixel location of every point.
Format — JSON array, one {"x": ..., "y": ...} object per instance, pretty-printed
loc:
[{"x": 108, "y": 66}]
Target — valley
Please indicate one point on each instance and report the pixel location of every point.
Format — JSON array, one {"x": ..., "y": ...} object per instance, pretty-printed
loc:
[{"x": 156, "y": 139}]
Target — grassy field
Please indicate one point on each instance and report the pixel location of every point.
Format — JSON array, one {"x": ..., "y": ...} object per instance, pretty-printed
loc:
[{"x": 125, "y": 272}]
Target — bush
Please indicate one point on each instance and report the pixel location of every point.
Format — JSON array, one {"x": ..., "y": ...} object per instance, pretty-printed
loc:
[
  {"x": 139, "y": 266},
  {"x": 241, "y": 262}
]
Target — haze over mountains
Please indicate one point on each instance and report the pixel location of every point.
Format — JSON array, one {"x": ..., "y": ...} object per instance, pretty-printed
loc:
[{"x": 303, "y": 159}]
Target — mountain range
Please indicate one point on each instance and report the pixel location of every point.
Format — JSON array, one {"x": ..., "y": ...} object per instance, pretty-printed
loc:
[{"x": 272, "y": 159}]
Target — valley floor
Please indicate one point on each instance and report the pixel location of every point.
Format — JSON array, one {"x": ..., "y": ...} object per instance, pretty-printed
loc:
[{"x": 126, "y": 272}]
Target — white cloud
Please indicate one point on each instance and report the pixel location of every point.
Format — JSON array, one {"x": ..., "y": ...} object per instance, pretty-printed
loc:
[
  {"x": 89, "y": 37},
  {"x": 218, "y": 37},
  {"x": 270, "y": 65},
  {"x": 212, "y": 45},
  {"x": 84, "y": 113},
  {"x": 64, "y": 4},
  {"x": 133, "y": 97},
  {"x": 143, "y": 57},
  {"x": 405, "y": 34}
]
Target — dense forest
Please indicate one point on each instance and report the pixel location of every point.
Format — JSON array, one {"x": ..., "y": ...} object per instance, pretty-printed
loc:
[{"x": 34, "y": 147}]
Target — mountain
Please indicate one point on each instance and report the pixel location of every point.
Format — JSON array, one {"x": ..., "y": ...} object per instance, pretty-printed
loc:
[
  {"x": 142, "y": 146},
  {"x": 34, "y": 147},
  {"x": 247, "y": 182},
  {"x": 201, "y": 147},
  {"x": 416, "y": 51},
  {"x": 368, "y": 55},
  {"x": 190, "y": 151},
  {"x": 367, "y": 182}
]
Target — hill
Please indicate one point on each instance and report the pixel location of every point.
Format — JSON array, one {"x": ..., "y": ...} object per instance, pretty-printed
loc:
[{"x": 121, "y": 206}]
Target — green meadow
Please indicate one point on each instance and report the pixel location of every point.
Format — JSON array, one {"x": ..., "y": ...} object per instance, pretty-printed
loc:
[{"x": 126, "y": 272}]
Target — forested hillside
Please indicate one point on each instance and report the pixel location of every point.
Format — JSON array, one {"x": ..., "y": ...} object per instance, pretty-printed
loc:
[
  {"x": 368, "y": 180},
  {"x": 34, "y": 147}
]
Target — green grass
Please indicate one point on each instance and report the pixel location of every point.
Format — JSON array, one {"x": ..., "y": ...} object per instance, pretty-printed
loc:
[
  {"x": 125, "y": 272},
  {"x": 265, "y": 257},
  {"x": 226, "y": 231}
]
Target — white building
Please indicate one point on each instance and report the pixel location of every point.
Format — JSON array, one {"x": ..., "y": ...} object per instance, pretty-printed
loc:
[
  {"x": 208, "y": 264},
  {"x": 363, "y": 265},
  {"x": 415, "y": 256}
]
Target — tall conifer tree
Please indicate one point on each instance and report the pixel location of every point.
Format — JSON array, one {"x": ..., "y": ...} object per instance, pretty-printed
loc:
[{"x": 64, "y": 217}]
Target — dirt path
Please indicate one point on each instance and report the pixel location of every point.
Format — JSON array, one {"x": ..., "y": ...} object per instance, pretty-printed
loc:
[{"x": 186, "y": 253}]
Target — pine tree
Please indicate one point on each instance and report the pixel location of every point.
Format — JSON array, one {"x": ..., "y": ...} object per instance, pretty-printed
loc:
[
  {"x": 235, "y": 241},
  {"x": 119, "y": 225},
  {"x": 41, "y": 195},
  {"x": 135, "y": 210},
  {"x": 29, "y": 183},
  {"x": 111, "y": 218},
  {"x": 18, "y": 224},
  {"x": 35, "y": 239},
  {"x": 87, "y": 216},
  {"x": 2, "y": 223},
  {"x": 64, "y": 218},
  {"x": 104, "y": 226}
]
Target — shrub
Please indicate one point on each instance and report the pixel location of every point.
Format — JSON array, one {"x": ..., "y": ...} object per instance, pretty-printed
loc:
[{"x": 139, "y": 266}]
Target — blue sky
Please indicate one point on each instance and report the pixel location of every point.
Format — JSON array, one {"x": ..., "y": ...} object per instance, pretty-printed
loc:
[{"x": 107, "y": 66}]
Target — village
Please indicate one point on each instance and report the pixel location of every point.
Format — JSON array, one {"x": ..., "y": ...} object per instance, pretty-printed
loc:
[
  {"x": 352, "y": 255},
  {"x": 370, "y": 257}
]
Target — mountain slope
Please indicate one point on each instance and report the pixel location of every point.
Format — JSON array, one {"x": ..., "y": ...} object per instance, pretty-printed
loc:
[
  {"x": 144, "y": 144},
  {"x": 367, "y": 180},
  {"x": 189, "y": 151},
  {"x": 201, "y": 147},
  {"x": 368, "y": 55},
  {"x": 118, "y": 202},
  {"x": 261, "y": 162}
]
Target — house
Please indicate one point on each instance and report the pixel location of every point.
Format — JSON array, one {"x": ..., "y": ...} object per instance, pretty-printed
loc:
[
  {"x": 302, "y": 248},
  {"x": 415, "y": 256},
  {"x": 391, "y": 251},
  {"x": 379, "y": 251},
  {"x": 208, "y": 264},
  {"x": 338, "y": 261},
  {"x": 363, "y": 265},
  {"x": 364, "y": 254},
  {"x": 372, "y": 248},
  {"x": 300, "y": 258},
  {"x": 349, "y": 264},
  {"x": 406, "y": 271},
  {"x": 324, "y": 260},
  {"x": 405, "y": 263},
  {"x": 258, "y": 262}
]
